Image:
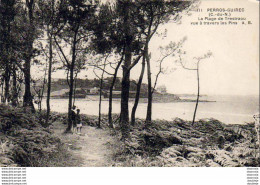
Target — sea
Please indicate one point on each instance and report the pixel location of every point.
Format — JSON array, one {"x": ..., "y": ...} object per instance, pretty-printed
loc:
[{"x": 225, "y": 108}]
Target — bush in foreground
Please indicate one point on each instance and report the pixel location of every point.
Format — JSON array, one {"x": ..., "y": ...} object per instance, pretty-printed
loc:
[
  {"x": 207, "y": 143},
  {"x": 24, "y": 142}
]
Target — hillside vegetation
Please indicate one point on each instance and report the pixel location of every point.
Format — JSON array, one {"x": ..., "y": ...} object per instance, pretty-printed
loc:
[
  {"x": 25, "y": 142},
  {"x": 210, "y": 143},
  {"x": 178, "y": 143},
  {"x": 207, "y": 143}
]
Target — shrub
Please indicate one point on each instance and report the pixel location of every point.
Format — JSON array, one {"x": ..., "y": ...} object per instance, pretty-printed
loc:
[{"x": 24, "y": 142}]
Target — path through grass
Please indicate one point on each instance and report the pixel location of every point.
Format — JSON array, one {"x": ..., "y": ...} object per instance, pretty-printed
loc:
[{"x": 94, "y": 147}]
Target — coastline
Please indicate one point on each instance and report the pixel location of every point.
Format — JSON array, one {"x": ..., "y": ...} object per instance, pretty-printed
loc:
[
  {"x": 231, "y": 111},
  {"x": 141, "y": 100}
]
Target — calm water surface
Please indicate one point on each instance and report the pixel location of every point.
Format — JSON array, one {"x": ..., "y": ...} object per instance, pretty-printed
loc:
[{"x": 228, "y": 109}]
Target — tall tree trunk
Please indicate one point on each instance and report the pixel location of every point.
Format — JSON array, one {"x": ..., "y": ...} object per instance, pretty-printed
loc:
[
  {"x": 71, "y": 81},
  {"x": 100, "y": 94},
  {"x": 70, "y": 100},
  {"x": 7, "y": 53},
  {"x": 111, "y": 93},
  {"x": 27, "y": 100},
  {"x": 2, "y": 91},
  {"x": 49, "y": 76},
  {"x": 7, "y": 84},
  {"x": 198, "y": 95},
  {"x": 138, "y": 89},
  {"x": 100, "y": 101},
  {"x": 124, "y": 115},
  {"x": 110, "y": 102},
  {"x": 14, "y": 90},
  {"x": 40, "y": 102},
  {"x": 75, "y": 87},
  {"x": 42, "y": 91},
  {"x": 149, "y": 78},
  {"x": 150, "y": 94}
]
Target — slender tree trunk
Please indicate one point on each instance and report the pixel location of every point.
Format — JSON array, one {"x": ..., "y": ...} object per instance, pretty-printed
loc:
[
  {"x": 110, "y": 102},
  {"x": 2, "y": 91},
  {"x": 7, "y": 59},
  {"x": 14, "y": 90},
  {"x": 100, "y": 101},
  {"x": 198, "y": 95},
  {"x": 138, "y": 89},
  {"x": 70, "y": 100},
  {"x": 74, "y": 94},
  {"x": 5, "y": 49},
  {"x": 40, "y": 103},
  {"x": 100, "y": 95},
  {"x": 111, "y": 94},
  {"x": 1, "y": 56},
  {"x": 150, "y": 94},
  {"x": 27, "y": 100},
  {"x": 71, "y": 81},
  {"x": 49, "y": 77},
  {"x": 149, "y": 78},
  {"x": 124, "y": 116},
  {"x": 42, "y": 90},
  {"x": 7, "y": 84}
]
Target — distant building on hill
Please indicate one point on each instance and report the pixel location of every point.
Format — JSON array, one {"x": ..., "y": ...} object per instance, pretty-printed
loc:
[
  {"x": 162, "y": 89},
  {"x": 64, "y": 93},
  {"x": 117, "y": 94},
  {"x": 94, "y": 90},
  {"x": 59, "y": 93}
]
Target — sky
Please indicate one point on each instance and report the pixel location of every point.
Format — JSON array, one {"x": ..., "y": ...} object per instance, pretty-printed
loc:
[{"x": 232, "y": 70}]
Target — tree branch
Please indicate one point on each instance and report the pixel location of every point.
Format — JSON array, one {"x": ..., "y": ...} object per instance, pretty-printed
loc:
[
  {"x": 184, "y": 66},
  {"x": 64, "y": 56},
  {"x": 134, "y": 63}
]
